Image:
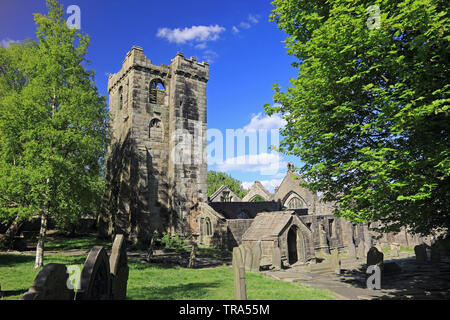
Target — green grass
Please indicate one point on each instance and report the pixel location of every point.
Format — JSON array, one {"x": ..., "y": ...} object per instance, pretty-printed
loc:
[
  {"x": 154, "y": 282},
  {"x": 79, "y": 243}
]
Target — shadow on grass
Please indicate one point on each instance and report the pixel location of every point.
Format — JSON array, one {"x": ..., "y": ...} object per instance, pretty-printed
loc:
[
  {"x": 60, "y": 243},
  {"x": 13, "y": 259},
  {"x": 184, "y": 291}
]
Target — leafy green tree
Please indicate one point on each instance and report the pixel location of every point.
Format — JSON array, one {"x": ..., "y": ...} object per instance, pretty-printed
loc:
[
  {"x": 217, "y": 179},
  {"x": 53, "y": 130},
  {"x": 368, "y": 112}
]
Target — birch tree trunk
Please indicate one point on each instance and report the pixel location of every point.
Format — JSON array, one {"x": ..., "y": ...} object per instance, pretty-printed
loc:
[{"x": 41, "y": 241}]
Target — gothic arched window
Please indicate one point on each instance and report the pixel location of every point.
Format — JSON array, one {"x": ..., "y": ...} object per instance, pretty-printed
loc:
[
  {"x": 208, "y": 227},
  {"x": 295, "y": 203},
  {"x": 155, "y": 85},
  {"x": 155, "y": 129}
]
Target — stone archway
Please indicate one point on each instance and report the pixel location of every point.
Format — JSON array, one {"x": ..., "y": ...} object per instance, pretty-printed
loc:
[{"x": 292, "y": 245}]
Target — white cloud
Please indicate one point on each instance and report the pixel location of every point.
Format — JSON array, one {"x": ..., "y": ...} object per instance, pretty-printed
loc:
[
  {"x": 261, "y": 121},
  {"x": 194, "y": 33},
  {"x": 7, "y": 41},
  {"x": 235, "y": 30},
  {"x": 253, "y": 18},
  {"x": 210, "y": 56},
  {"x": 244, "y": 25},
  {"x": 201, "y": 45},
  {"x": 265, "y": 163}
]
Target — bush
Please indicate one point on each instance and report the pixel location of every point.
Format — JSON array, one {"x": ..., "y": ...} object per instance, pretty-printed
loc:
[{"x": 172, "y": 242}]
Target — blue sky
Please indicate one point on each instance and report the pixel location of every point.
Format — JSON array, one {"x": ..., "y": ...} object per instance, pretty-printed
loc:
[{"x": 244, "y": 49}]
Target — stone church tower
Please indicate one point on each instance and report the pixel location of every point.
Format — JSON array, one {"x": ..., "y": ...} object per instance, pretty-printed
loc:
[{"x": 156, "y": 164}]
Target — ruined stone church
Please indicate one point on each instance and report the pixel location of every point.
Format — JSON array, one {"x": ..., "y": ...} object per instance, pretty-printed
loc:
[{"x": 156, "y": 175}]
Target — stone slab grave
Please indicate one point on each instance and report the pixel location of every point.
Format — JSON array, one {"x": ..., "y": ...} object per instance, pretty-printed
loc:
[
  {"x": 435, "y": 253},
  {"x": 95, "y": 281},
  {"x": 240, "y": 291},
  {"x": 118, "y": 263},
  {"x": 375, "y": 257},
  {"x": 335, "y": 261},
  {"x": 421, "y": 253},
  {"x": 50, "y": 284}
]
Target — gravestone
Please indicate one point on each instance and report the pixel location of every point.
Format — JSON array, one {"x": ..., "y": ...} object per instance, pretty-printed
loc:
[
  {"x": 276, "y": 258},
  {"x": 361, "y": 251},
  {"x": 352, "y": 250},
  {"x": 240, "y": 292},
  {"x": 335, "y": 262},
  {"x": 50, "y": 284},
  {"x": 435, "y": 254},
  {"x": 375, "y": 257},
  {"x": 421, "y": 253},
  {"x": 192, "y": 256},
  {"x": 242, "y": 249},
  {"x": 95, "y": 281},
  {"x": 395, "y": 249},
  {"x": 256, "y": 259},
  {"x": 248, "y": 259},
  {"x": 118, "y": 264}
]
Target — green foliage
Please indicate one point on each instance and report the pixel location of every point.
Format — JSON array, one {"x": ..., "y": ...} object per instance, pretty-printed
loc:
[
  {"x": 53, "y": 125},
  {"x": 368, "y": 112},
  {"x": 173, "y": 242},
  {"x": 217, "y": 179},
  {"x": 258, "y": 199}
]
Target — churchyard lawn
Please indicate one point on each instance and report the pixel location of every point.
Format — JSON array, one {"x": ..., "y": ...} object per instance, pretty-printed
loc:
[{"x": 154, "y": 282}]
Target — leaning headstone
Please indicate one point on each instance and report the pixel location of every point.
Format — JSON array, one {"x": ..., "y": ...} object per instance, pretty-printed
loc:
[
  {"x": 335, "y": 261},
  {"x": 421, "y": 253},
  {"x": 435, "y": 254},
  {"x": 248, "y": 259},
  {"x": 256, "y": 259},
  {"x": 50, "y": 284},
  {"x": 118, "y": 264},
  {"x": 361, "y": 251},
  {"x": 276, "y": 258},
  {"x": 192, "y": 256},
  {"x": 95, "y": 281},
  {"x": 375, "y": 257},
  {"x": 240, "y": 292}
]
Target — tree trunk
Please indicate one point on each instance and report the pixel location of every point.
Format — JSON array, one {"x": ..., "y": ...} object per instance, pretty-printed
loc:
[
  {"x": 14, "y": 228},
  {"x": 7, "y": 239},
  {"x": 41, "y": 241}
]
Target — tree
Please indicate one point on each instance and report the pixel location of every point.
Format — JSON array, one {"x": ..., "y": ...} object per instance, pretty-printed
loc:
[
  {"x": 217, "y": 179},
  {"x": 53, "y": 130},
  {"x": 368, "y": 112}
]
